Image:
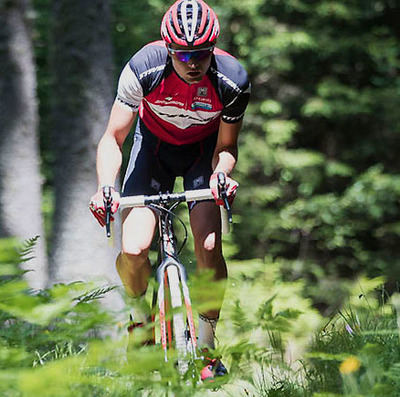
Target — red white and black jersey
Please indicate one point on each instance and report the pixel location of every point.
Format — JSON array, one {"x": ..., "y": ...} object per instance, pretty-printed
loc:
[{"x": 175, "y": 111}]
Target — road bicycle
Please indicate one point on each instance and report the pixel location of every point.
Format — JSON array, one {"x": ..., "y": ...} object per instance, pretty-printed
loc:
[{"x": 177, "y": 327}]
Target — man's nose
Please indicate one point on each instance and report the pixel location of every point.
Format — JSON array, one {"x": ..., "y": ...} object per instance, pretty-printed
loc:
[{"x": 192, "y": 63}]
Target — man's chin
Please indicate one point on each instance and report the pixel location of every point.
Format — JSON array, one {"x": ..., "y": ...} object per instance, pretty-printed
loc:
[{"x": 194, "y": 78}]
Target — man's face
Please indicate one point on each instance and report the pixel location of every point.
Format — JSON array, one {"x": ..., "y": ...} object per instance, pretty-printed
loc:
[{"x": 196, "y": 67}]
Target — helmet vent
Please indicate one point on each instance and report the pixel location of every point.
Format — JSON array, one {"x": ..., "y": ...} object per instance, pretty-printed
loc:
[{"x": 189, "y": 12}]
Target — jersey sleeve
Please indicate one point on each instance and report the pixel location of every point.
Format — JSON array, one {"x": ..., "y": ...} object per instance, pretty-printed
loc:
[
  {"x": 142, "y": 74},
  {"x": 233, "y": 86},
  {"x": 238, "y": 96},
  {"x": 234, "y": 111},
  {"x": 130, "y": 91}
]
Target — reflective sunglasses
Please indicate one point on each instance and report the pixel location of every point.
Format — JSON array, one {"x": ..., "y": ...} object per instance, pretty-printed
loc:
[{"x": 198, "y": 55}]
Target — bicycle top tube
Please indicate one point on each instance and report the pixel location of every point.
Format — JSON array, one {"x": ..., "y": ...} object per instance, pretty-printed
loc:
[{"x": 188, "y": 195}]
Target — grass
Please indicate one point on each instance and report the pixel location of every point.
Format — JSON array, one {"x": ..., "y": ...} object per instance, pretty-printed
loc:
[
  {"x": 270, "y": 336},
  {"x": 358, "y": 354}
]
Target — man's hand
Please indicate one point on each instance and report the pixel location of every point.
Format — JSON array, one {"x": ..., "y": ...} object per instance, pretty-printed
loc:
[
  {"x": 230, "y": 185},
  {"x": 97, "y": 205}
]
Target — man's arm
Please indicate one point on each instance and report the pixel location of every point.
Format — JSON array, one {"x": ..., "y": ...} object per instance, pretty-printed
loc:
[
  {"x": 109, "y": 152},
  {"x": 224, "y": 159},
  {"x": 109, "y": 158},
  {"x": 226, "y": 151}
]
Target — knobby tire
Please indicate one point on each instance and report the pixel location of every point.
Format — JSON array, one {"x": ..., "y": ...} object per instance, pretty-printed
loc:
[{"x": 178, "y": 319}]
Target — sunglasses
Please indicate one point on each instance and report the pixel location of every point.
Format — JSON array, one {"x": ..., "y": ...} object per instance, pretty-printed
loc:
[{"x": 198, "y": 55}]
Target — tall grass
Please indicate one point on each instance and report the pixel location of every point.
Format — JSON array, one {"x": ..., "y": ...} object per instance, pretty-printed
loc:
[
  {"x": 357, "y": 353},
  {"x": 52, "y": 344}
]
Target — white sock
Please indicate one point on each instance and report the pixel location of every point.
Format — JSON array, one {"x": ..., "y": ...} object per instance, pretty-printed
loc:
[{"x": 207, "y": 328}]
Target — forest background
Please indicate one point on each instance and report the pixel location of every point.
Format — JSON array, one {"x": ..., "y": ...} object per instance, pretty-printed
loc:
[{"x": 318, "y": 166}]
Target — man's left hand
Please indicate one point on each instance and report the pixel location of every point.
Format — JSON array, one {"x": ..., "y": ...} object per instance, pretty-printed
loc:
[{"x": 230, "y": 185}]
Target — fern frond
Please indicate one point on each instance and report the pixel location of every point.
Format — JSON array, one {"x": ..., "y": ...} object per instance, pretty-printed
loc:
[
  {"x": 27, "y": 249},
  {"x": 95, "y": 294}
]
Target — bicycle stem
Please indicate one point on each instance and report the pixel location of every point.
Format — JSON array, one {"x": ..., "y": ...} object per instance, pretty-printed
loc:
[{"x": 168, "y": 245}]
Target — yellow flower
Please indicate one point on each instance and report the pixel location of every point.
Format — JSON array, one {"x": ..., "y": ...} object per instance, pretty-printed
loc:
[{"x": 350, "y": 365}]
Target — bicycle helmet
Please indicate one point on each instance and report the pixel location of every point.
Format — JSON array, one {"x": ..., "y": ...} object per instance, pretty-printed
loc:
[{"x": 189, "y": 22}]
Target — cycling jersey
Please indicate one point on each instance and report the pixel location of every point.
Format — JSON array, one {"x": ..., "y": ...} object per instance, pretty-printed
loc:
[{"x": 175, "y": 111}]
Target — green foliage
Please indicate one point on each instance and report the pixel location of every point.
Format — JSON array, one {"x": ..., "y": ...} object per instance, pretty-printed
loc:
[
  {"x": 50, "y": 342},
  {"x": 318, "y": 165},
  {"x": 134, "y": 25},
  {"x": 357, "y": 353},
  {"x": 318, "y": 205},
  {"x": 40, "y": 327}
]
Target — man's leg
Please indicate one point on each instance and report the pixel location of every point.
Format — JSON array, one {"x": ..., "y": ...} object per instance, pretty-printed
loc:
[
  {"x": 133, "y": 265},
  {"x": 206, "y": 227}
]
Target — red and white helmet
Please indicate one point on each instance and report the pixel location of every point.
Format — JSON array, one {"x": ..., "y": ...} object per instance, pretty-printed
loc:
[{"x": 189, "y": 22}]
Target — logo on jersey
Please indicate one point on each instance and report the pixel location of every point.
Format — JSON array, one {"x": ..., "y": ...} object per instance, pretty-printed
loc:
[
  {"x": 201, "y": 105},
  {"x": 169, "y": 101},
  {"x": 202, "y": 91}
]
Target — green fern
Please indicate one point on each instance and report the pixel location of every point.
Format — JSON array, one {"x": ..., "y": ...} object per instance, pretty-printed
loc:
[
  {"x": 95, "y": 294},
  {"x": 27, "y": 249}
]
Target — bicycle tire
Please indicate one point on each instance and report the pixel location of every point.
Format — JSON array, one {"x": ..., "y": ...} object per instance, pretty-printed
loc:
[{"x": 178, "y": 319}]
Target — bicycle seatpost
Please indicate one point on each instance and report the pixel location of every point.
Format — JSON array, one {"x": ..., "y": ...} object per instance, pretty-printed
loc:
[
  {"x": 107, "y": 198},
  {"x": 223, "y": 195}
]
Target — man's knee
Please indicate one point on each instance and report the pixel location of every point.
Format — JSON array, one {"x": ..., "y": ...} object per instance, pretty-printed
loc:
[
  {"x": 135, "y": 247},
  {"x": 209, "y": 252},
  {"x": 205, "y": 226},
  {"x": 209, "y": 243},
  {"x": 133, "y": 253}
]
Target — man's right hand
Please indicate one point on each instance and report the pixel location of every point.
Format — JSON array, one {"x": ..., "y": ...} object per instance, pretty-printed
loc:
[{"x": 97, "y": 205}]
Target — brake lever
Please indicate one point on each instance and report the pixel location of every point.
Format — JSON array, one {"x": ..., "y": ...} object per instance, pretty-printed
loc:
[
  {"x": 222, "y": 193},
  {"x": 107, "y": 198}
]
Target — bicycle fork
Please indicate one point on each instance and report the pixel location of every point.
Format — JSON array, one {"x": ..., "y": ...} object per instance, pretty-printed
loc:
[{"x": 174, "y": 270}]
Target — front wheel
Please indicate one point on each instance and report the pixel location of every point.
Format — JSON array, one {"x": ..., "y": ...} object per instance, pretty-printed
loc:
[{"x": 178, "y": 320}]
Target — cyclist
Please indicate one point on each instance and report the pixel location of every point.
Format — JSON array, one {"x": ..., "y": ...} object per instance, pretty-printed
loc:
[{"x": 191, "y": 97}]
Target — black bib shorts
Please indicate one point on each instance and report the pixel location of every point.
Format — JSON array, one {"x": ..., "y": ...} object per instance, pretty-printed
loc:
[{"x": 155, "y": 164}]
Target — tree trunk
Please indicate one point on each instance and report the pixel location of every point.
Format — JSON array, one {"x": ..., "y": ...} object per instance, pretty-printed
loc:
[
  {"x": 20, "y": 180},
  {"x": 83, "y": 93}
]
